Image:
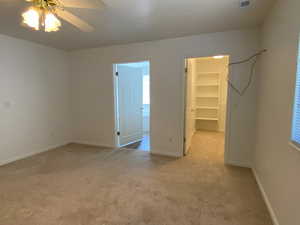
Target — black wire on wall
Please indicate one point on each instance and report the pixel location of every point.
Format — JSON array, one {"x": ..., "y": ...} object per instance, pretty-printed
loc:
[{"x": 255, "y": 56}]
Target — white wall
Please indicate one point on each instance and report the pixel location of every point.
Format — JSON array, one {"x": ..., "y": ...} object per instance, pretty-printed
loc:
[
  {"x": 35, "y": 94},
  {"x": 276, "y": 163},
  {"x": 92, "y": 90},
  {"x": 34, "y": 98}
]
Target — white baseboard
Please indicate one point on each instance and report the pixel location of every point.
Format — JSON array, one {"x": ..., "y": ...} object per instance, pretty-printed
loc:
[
  {"x": 93, "y": 144},
  {"x": 239, "y": 164},
  {"x": 154, "y": 152},
  {"x": 266, "y": 199},
  {"x": 165, "y": 153},
  {"x": 28, "y": 154}
]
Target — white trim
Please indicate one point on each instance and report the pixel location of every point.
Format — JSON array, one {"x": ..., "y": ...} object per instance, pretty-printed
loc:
[
  {"x": 28, "y": 154},
  {"x": 266, "y": 199},
  {"x": 228, "y": 121},
  {"x": 291, "y": 143},
  {"x": 115, "y": 93}
]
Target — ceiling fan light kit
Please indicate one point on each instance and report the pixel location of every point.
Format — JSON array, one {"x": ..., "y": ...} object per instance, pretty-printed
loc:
[
  {"x": 31, "y": 18},
  {"x": 44, "y": 14},
  {"x": 51, "y": 23}
]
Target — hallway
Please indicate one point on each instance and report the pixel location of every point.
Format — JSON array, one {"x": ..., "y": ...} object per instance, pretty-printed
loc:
[{"x": 208, "y": 146}]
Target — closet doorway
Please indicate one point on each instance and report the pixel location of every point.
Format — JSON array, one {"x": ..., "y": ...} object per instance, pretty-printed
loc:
[{"x": 206, "y": 105}]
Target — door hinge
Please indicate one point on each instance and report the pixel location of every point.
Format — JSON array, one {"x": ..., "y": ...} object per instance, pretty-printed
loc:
[
  {"x": 186, "y": 69},
  {"x": 117, "y": 73},
  {"x": 184, "y": 140},
  {"x": 118, "y": 133}
]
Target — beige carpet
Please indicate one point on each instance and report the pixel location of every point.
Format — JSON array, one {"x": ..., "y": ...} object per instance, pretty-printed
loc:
[{"x": 82, "y": 185}]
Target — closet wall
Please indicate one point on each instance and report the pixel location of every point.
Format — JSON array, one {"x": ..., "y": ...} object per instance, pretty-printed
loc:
[{"x": 210, "y": 93}]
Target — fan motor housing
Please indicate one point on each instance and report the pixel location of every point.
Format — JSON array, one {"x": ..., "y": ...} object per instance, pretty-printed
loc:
[{"x": 245, "y": 3}]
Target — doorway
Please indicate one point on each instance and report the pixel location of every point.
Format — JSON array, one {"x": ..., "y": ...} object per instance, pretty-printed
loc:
[
  {"x": 206, "y": 104},
  {"x": 132, "y": 105}
]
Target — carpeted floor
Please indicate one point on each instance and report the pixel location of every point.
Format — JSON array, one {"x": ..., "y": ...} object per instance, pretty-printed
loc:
[{"x": 82, "y": 185}]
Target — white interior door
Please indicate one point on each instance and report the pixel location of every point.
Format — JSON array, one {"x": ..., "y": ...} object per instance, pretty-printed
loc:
[
  {"x": 130, "y": 104},
  {"x": 189, "y": 106}
]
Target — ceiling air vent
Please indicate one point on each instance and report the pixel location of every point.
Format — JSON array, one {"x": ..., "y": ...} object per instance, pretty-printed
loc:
[{"x": 245, "y": 3}]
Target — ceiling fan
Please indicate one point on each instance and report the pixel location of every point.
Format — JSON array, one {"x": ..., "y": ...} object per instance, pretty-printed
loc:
[{"x": 45, "y": 14}]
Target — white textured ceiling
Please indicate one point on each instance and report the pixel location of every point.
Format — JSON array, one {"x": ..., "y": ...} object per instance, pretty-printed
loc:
[{"x": 127, "y": 21}]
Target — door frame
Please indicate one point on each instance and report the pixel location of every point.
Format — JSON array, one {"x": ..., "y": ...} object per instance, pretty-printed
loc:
[
  {"x": 228, "y": 108},
  {"x": 116, "y": 113}
]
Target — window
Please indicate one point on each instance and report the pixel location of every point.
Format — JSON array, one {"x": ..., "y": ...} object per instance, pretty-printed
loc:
[{"x": 296, "y": 114}]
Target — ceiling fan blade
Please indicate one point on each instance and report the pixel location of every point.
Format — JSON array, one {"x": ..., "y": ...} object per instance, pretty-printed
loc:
[
  {"x": 83, "y": 4},
  {"x": 74, "y": 20}
]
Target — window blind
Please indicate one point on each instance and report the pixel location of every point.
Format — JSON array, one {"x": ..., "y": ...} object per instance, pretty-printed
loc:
[{"x": 296, "y": 113}]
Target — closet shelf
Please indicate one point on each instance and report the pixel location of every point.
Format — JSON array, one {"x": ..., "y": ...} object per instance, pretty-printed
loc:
[
  {"x": 207, "y": 96},
  {"x": 208, "y": 73},
  {"x": 207, "y": 85},
  {"x": 207, "y": 107},
  {"x": 207, "y": 118}
]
